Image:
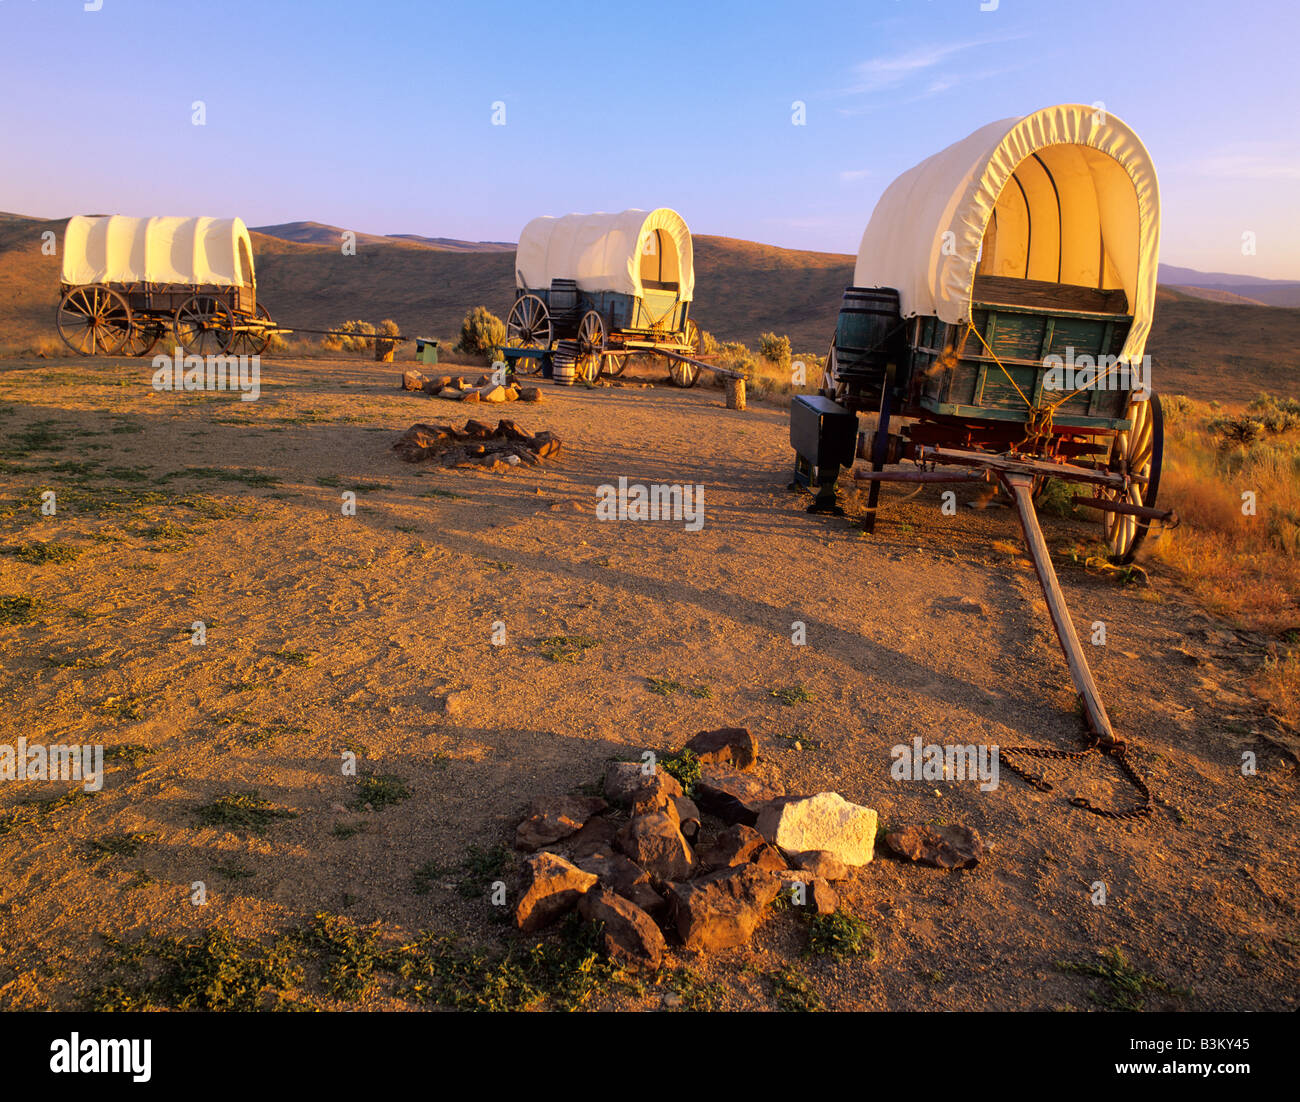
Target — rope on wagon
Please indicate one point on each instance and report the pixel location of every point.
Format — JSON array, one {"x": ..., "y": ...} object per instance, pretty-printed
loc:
[{"x": 1039, "y": 423}]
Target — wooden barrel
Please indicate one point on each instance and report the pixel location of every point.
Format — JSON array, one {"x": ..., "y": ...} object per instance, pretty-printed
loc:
[
  {"x": 564, "y": 363},
  {"x": 563, "y": 304},
  {"x": 868, "y": 336}
]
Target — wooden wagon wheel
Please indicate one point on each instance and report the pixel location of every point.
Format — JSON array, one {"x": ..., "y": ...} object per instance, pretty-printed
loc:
[
  {"x": 203, "y": 326},
  {"x": 591, "y": 347},
  {"x": 1139, "y": 452},
  {"x": 251, "y": 342},
  {"x": 93, "y": 319},
  {"x": 141, "y": 338},
  {"x": 683, "y": 374},
  {"x": 529, "y": 326}
]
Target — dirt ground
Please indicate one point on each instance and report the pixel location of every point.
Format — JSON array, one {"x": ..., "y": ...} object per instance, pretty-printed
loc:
[{"x": 327, "y": 633}]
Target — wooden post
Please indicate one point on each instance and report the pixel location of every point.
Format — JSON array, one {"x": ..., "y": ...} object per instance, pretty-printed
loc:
[
  {"x": 1020, "y": 486},
  {"x": 735, "y": 393}
]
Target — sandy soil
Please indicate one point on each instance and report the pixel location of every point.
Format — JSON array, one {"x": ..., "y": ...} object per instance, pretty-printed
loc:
[{"x": 327, "y": 632}]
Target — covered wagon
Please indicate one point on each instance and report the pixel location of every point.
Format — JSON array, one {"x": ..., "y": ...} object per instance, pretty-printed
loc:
[
  {"x": 593, "y": 289},
  {"x": 1002, "y": 299},
  {"x": 996, "y": 332},
  {"x": 127, "y": 281}
]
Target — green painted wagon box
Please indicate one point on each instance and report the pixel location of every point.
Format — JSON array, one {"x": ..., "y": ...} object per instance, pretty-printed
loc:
[{"x": 962, "y": 379}]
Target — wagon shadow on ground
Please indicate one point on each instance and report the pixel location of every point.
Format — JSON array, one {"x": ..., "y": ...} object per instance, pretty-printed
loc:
[{"x": 742, "y": 520}]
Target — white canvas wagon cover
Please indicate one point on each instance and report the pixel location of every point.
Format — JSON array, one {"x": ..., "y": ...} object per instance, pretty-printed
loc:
[
  {"x": 1067, "y": 194},
  {"x": 116, "y": 249},
  {"x": 608, "y": 252}
]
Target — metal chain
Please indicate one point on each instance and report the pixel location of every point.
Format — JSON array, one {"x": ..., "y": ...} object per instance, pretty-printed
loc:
[{"x": 1117, "y": 752}]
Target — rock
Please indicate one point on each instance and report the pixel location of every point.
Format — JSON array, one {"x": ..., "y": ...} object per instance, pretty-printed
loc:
[
  {"x": 420, "y": 441},
  {"x": 628, "y": 934},
  {"x": 432, "y": 387},
  {"x": 817, "y": 862},
  {"x": 769, "y": 858},
  {"x": 597, "y": 836},
  {"x": 545, "y": 444},
  {"x": 657, "y": 792},
  {"x": 655, "y": 843},
  {"x": 823, "y": 897},
  {"x": 826, "y": 821},
  {"x": 470, "y": 396},
  {"x": 732, "y": 796},
  {"x": 512, "y": 394},
  {"x": 530, "y": 394},
  {"x": 945, "y": 847},
  {"x": 493, "y": 393},
  {"x": 642, "y": 792},
  {"x": 549, "y": 820},
  {"x": 622, "y": 778},
  {"x": 733, "y": 746},
  {"x": 552, "y": 888},
  {"x": 413, "y": 380},
  {"x": 737, "y": 845},
  {"x": 688, "y": 816},
  {"x": 477, "y": 430},
  {"x": 620, "y": 875},
  {"x": 723, "y": 909},
  {"x": 809, "y": 891},
  {"x": 482, "y": 381},
  {"x": 511, "y": 431}
]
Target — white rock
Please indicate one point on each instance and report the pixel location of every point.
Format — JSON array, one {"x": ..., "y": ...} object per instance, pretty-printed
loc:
[{"x": 827, "y": 822}]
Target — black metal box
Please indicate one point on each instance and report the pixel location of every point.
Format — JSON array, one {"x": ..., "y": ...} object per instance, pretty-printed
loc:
[{"x": 822, "y": 433}]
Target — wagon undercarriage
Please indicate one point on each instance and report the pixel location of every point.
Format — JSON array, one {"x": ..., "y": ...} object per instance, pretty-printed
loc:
[{"x": 107, "y": 320}]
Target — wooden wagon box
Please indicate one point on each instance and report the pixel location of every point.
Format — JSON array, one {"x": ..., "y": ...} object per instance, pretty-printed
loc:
[
  {"x": 958, "y": 378},
  {"x": 166, "y": 298}
]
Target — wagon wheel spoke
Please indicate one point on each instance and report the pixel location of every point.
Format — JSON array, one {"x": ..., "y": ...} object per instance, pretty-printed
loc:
[{"x": 141, "y": 339}]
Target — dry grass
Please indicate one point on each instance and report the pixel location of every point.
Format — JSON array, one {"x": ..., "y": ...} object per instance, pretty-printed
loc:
[
  {"x": 42, "y": 347},
  {"x": 769, "y": 380},
  {"x": 1243, "y": 567}
]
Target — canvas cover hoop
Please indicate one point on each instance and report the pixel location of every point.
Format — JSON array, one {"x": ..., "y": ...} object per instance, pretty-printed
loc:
[{"x": 1069, "y": 192}]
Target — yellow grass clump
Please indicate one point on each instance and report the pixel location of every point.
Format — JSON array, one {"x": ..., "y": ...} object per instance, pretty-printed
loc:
[
  {"x": 1238, "y": 547},
  {"x": 1233, "y": 476}
]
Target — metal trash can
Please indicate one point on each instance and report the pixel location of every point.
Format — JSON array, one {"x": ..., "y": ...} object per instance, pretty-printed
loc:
[{"x": 426, "y": 350}]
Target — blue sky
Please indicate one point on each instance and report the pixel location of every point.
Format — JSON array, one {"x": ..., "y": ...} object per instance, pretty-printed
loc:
[{"x": 379, "y": 116}]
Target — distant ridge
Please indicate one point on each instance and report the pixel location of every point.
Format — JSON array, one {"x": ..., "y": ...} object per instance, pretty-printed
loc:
[
  {"x": 1201, "y": 344},
  {"x": 318, "y": 233},
  {"x": 1226, "y": 287}
]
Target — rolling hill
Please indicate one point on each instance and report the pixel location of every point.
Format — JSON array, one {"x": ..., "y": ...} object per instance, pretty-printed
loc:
[
  {"x": 317, "y": 233},
  {"x": 1208, "y": 349},
  {"x": 1225, "y": 287}
]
